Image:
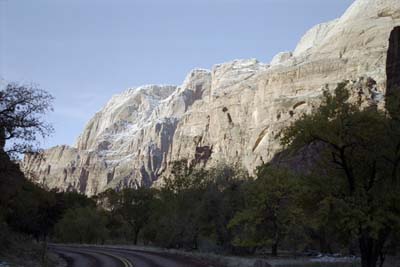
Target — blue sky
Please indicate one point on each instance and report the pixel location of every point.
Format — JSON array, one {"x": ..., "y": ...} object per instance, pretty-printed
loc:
[{"x": 83, "y": 52}]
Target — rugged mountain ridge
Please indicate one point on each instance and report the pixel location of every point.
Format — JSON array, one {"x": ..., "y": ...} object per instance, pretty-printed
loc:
[{"x": 229, "y": 114}]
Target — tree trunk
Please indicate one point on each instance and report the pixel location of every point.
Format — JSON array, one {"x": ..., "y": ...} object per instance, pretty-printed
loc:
[
  {"x": 44, "y": 252},
  {"x": 195, "y": 242},
  {"x": 2, "y": 138},
  {"x": 324, "y": 245},
  {"x": 381, "y": 259},
  {"x": 136, "y": 236},
  {"x": 370, "y": 250},
  {"x": 274, "y": 249}
]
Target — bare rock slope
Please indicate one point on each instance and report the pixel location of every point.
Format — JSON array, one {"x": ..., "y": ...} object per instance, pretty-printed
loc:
[{"x": 229, "y": 114}]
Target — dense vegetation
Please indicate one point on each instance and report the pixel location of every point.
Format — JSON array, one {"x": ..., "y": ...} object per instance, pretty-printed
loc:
[
  {"x": 345, "y": 199},
  {"x": 26, "y": 210}
]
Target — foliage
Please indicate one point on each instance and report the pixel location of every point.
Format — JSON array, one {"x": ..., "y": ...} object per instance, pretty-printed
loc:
[
  {"x": 83, "y": 225},
  {"x": 134, "y": 207},
  {"x": 174, "y": 221},
  {"x": 71, "y": 200},
  {"x": 271, "y": 214},
  {"x": 359, "y": 150},
  {"x": 32, "y": 211},
  {"x": 193, "y": 204},
  {"x": 222, "y": 199},
  {"x": 316, "y": 199}
]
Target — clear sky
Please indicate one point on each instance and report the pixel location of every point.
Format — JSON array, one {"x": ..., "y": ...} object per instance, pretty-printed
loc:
[{"x": 84, "y": 51}]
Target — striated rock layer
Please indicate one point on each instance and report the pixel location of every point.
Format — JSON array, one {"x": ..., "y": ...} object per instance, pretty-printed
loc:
[{"x": 230, "y": 114}]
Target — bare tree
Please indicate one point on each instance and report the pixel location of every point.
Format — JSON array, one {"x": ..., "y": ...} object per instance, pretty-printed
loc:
[{"x": 22, "y": 109}]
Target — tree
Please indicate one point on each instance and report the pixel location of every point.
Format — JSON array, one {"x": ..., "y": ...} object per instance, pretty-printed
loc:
[
  {"x": 26, "y": 207},
  {"x": 135, "y": 208},
  {"x": 32, "y": 211},
  {"x": 271, "y": 213},
  {"x": 71, "y": 200},
  {"x": 193, "y": 205},
  {"x": 175, "y": 219},
  {"x": 316, "y": 200},
  {"x": 176, "y": 209},
  {"x": 184, "y": 176},
  {"x": 222, "y": 199},
  {"x": 83, "y": 225},
  {"x": 359, "y": 149},
  {"x": 21, "y": 117}
]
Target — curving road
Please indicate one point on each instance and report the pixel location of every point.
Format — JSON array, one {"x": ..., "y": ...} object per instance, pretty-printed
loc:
[{"x": 86, "y": 256}]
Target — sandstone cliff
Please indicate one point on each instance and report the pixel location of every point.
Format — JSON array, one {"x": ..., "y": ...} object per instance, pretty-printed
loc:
[{"x": 229, "y": 114}]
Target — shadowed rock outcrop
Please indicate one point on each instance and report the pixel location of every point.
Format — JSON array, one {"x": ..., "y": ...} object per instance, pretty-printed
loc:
[
  {"x": 393, "y": 74},
  {"x": 393, "y": 62}
]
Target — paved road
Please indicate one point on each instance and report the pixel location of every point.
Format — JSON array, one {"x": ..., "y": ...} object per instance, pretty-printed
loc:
[{"x": 77, "y": 256}]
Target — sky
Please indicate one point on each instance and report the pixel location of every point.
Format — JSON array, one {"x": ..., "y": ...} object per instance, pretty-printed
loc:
[{"x": 83, "y": 52}]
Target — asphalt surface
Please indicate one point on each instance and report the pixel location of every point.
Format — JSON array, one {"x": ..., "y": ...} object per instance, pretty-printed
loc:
[{"x": 86, "y": 256}]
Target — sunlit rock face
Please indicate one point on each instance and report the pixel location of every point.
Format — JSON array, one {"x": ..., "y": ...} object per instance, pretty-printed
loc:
[
  {"x": 126, "y": 144},
  {"x": 229, "y": 114}
]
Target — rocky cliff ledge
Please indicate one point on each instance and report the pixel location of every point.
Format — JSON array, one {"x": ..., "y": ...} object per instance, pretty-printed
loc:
[{"x": 229, "y": 114}]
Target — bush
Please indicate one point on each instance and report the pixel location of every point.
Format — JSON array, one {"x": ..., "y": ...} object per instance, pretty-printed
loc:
[{"x": 82, "y": 225}]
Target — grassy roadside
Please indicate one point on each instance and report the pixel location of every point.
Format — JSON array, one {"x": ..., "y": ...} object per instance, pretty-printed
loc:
[
  {"x": 29, "y": 255},
  {"x": 18, "y": 250}
]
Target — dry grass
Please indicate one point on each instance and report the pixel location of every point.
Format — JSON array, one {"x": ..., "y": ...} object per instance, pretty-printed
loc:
[{"x": 17, "y": 250}]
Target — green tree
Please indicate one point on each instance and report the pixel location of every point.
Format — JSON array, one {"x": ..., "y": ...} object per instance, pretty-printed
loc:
[
  {"x": 135, "y": 208},
  {"x": 316, "y": 199},
  {"x": 222, "y": 199},
  {"x": 177, "y": 209},
  {"x": 271, "y": 211},
  {"x": 71, "y": 200},
  {"x": 359, "y": 149},
  {"x": 118, "y": 228},
  {"x": 83, "y": 225},
  {"x": 109, "y": 199},
  {"x": 196, "y": 204},
  {"x": 33, "y": 211}
]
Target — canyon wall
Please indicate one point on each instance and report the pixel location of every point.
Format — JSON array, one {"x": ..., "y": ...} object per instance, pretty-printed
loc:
[{"x": 227, "y": 115}]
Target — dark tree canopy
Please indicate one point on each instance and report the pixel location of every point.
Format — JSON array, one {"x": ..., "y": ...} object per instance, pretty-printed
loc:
[
  {"x": 22, "y": 109},
  {"x": 359, "y": 149}
]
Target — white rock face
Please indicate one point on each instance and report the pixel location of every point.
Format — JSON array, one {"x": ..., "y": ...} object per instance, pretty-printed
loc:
[
  {"x": 314, "y": 37},
  {"x": 230, "y": 114},
  {"x": 281, "y": 58}
]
